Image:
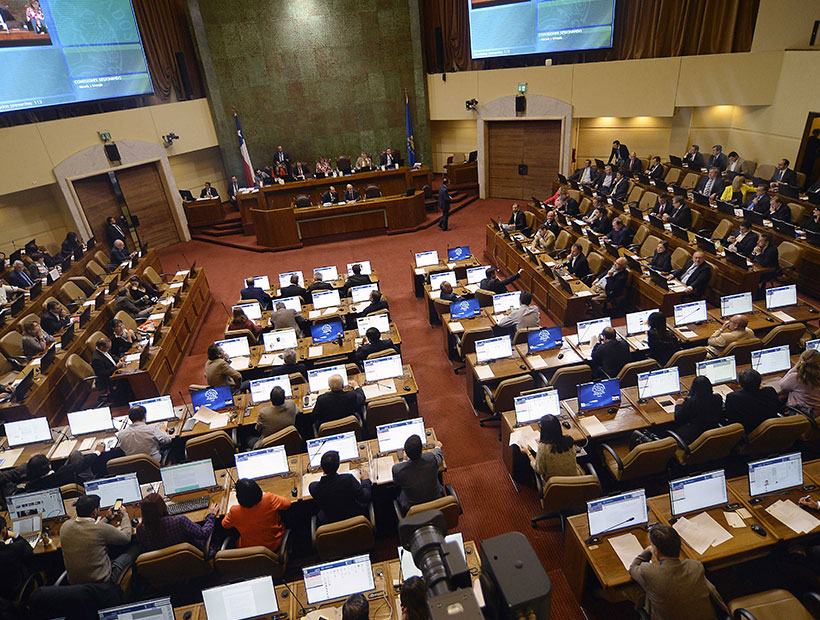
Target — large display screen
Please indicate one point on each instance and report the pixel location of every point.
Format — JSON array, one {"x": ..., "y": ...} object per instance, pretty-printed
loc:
[
  {"x": 66, "y": 51},
  {"x": 515, "y": 27}
]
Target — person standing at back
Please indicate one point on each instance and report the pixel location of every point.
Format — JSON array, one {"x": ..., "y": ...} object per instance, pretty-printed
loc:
[{"x": 444, "y": 204}]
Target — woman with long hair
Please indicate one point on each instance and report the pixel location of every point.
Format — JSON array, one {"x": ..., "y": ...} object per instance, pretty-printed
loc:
[
  {"x": 240, "y": 320},
  {"x": 802, "y": 382},
  {"x": 159, "y": 529},
  {"x": 555, "y": 456},
  {"x": 661, "y": 341},
  {"x": 699, "y": 411},
  {"x": 413, "y": 600}
]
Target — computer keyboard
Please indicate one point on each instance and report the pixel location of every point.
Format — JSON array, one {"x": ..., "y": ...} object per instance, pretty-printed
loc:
[{"x": 188, "y": 505}]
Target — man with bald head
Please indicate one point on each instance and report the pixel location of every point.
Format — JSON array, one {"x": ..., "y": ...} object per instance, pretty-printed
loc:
[
  {"x": 337, "y": 403},
  {"x": 119, "y": 253},
  {"x": 736, "y": 328},
  {"x": 695, "y": 274},
  {"x": 610, "y": 285},
  {"x": 352, "y": 194}
]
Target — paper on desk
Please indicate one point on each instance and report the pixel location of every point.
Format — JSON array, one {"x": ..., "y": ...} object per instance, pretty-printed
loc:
[
  {"x": 678, "y": 288},
  {"x": 307, "y": 479},
  {"x": 174, "y": 286},
  {"x": 586, "y": 293},
  {"x": 792, "y": 516},
  {"x": 315, "y": 351},
  {"x": 132, "y": 357},
  {"x": 592, "y": 425},
  {"x": 157, "y": 316},
  {"x": 687, "y": 333},
  {"x": 271, "y": 359},
  {"x": 220, "y": 420},
  {"x": 456, "y": 326},
  {"x": 64, "y": 448},
  {"x": 419, "y": 271},
  {"x": 314, "y": 314},
  {"x": 698, "y": 539},
  {"x": 743, "y": 513},
  {"x": 435, "y": 294},
  {"x": 738, "y": 212},
  {"x": 9, "y": 457},
  {"x": 384, "y": 469},
  {"x": 484, "y": 372},
  {"x": 231, "y": 501},
  {"x": 626, "y": 547},
  {"x": 526, "y": 437},
  {"x": 183, "y": 272},
  {"x": 204, "y": 414},
  {"x": 90, "y": 302},
  {"x": 87, "y": 444},
  {"x": 240, "y": 363},
  {"x": 716, "y": 531},
  {"x": 331, "y": 310},
  {"x": 733, "y": 519},
  {"x": 379, "y": 388},
  {"x": 786, "y": 318},
  {"x": 471, "y": 287},
  {"x": 536, "y": 362},
  {"x": 325, "y": 613},
  {"x": 451, "y": 265}
]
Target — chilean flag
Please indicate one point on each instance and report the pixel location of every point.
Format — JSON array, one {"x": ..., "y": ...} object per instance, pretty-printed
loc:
[{"x": 243, "y": 151}]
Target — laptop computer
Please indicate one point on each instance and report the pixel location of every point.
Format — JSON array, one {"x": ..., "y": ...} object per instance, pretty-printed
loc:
[
  {"x": 675, "y": 160},
  {"x": 29, "y": 528}
]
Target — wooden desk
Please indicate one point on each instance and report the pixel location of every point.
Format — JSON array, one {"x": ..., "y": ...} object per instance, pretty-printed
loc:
[
  {"x": 462, "y": 174},
  {"x": 287, "y": 608},
  {"x": 204, "y": 212},
  {"x": 501, "y": 369},
  {"x": 419, "y": 275},
  {"x": 624, "y": 420},
  {"x": 548, "y": 361},
  {"x": 453, "y": 328}
]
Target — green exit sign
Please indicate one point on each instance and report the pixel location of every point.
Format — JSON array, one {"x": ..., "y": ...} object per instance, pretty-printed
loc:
[
  {"x": 522, "y": 88},
  {"x": 105, "y": 136}
]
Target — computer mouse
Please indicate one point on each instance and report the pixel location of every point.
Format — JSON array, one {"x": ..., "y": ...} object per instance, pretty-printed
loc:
[
  {"x": 770, "y": 319},
  {"x": 406, "y": 388},
  {"x": 566, "y": 424},
  {"x": 759, "y": 530},
  {"x": 429, "y": 433},
  {"x": 813, "y": 310},
  {"x": 187, "y": 615},
  {"x": 294, "y": 491},
  {"x": 284, "y": 593},
  {"x": 135, "y": 522},
  {"x": 612, "y": 410},
  {"x": 171, "y": 431},
  {"x": 560, "y": 356},
  {"x": 522, "y": 366}
]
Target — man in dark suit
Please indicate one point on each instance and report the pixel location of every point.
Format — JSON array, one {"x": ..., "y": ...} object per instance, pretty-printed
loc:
[
  {"x": 105, "y": 365},
  {"x": 517, "y": 221},
  {"x": 619, "y": 153},
  {"x": 751, "y": 405},
  {"x": 339, "y": 496},
  {"x": 621, "y": 186},
  {"x": 233, "y": 188},
  {"x": 600, "y": 222},
  {"x": 663, "y": 206},
  {"x": 15, "y": 553},
  {"x": 77, "y": 469},
  {"x": 743, "y": 241},
  {"x": 301, "y": 171},
  {"x": 54, "y": 318},
  {"x": 388, "y": 158},
  {"x": 254, "y": 292},
  {"x": 282, "y": 157},
  {"x": 609, "y": 355},
  {"x": 417, "y": 476},
  {"x": 352, "y": 194},
  {"x": 633, "y": 164},
  {"x": 444, "y": 204},
  {"x": 695, "y": 274},
  {"x": 337, "y": 403},
  {"x": 356, "y": 279},
  {"x": 330, "y": 196},
  {"x": 812, "y": 221},
  {"x": 291, "y": 365},
  {"x": 783, "y": 175},
  {"x": 718, "y": 159},
  {"x": 606, "y": 181},
  {"x": 760, "y": 201},
  {"x": 694, "y": 156},
  {"x": 577, "y": 263},
  {"x": 373, "y": 344},
  {"x": 711, "y": 185},
  {"x": 19, "y": 277},
  {"x": 208, "y": 191},
  {"x": 620, "y": 235},
  {"x": 492, "y": 283},
  {"x": 764, "y": 253},
  {"x": 568, "y": 205},
  {"x": 113, "y": 231},
  {"x": 318, "y": 284},
  {"x": 551, "y": 224},
  {"x": 655, "y": 170},
  {"x": 588, "y": 175},
  {"x": 294, "y": 290},
  {"x": 610, "y": 285},
  {"x": 119, "y": 253},
  {"x": 778, "y": 210},
  {"x": 377, "y": 304},
  {"x": 681, "y": 213}
]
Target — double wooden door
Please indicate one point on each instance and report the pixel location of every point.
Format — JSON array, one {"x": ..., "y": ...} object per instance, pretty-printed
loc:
[{"x": 535, "y": 144}]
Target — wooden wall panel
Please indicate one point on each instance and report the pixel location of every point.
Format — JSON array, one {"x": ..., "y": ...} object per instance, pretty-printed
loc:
[
  {"x": 536, "y": 143},
  {"x": 145, "y": 196},
  {"x": 98, "y": 202}
]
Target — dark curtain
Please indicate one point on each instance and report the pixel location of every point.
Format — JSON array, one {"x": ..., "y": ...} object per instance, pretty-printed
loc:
[
  {"x": 164, "y": 30},
  {"x": 643, "y": 29}
]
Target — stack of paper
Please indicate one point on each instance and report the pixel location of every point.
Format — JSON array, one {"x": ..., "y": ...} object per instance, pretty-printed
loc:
[
  {"x": 592, "y": 425},
  {"x": 383, "y": 469},
  {"x": 212, "y": 418},
  {"x": 786, "y": 318},
  {"x": 419, "y": 271},
  {"x": 734, "y": 520},
  {"x": 271, "y": 359},
  {"x": 240, "y": 363},
  {"x": 307, "y": 479},
  {"x": 314, "y": 314},
  {"x": 701, "y": 532},
  {"x": 87, "y": 444},
  {"x": 536, "y": 362},
  {"x": 484, "y": 372},
  {"x": 316, "y": 351},
  {"x": 331, "y": 310},
  {"x": 626, "y": 547},
  {"x": 64, "y": 448},
  {"x": 526, "y": 437},
  {"x": 585, "y": 293},
  {"x": 9, "y": 457},
  {"x": 472, "y": 287},
  {"x": 792, "y": 516},
  {"x": 456, "y": 326},
  {"x": 379, "y": 388},
  {"x": 220, "y": 420}
]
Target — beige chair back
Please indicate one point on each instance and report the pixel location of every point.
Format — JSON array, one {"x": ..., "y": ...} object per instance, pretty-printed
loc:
[
  {"x": 484, "y": 297},
  {"x": 566, "y": 380},
  {"x": 83, "y": 284},
  {"x": 672, "y": 175},
  {"x": 585, "y": 244},
  {"x": 629, "y": 373},
  {"x": 448, "y": 505},
  {"x": 217, "y": 446},
  {"x": 775, "y": 435},
  {"x": 152, "y": 276},
  {"x": 288, "y": 437},
  {"x": 172, "y": 565},
  {"x": 765, "y": 171},
  {"x": 769, "y": 605},
  {"x": 635, "y": 194},
  {"x": 69, "y": 292},
  {"x": 595, "y": 261},
  {"x": 712, "y": 445},
  {"x": 570, "y": 494},
  {"x": 146, "y": 468},
  {"x": 687, "y": 360},
  {"x": 385, "y": 411},
  {"x": 563, "y": 241},
  {"x": 640, "y": 235},
  {"x": 12, "y": 344},
  {"x": 723, "y": 228},
  {"x": 342, "y": 425},
  {"x": 679, "y": 258},
  {"x": 469, "y": 338},
  {"x": 789, "y": 254},
  {"x": 344, "y": 538},
  {"x": 91, "y": 344},
  {"x": 648, "y": 246},
  {"x": 127, "y": 321},
  {"x": 648, "y": 200},
  {"x": 521, "y": 335},
  {"x": 249, "y": 562},
  {"x": 504, "y": 395},
  {"x": 742, "y": 350},
  {"x": 72, "y": 490},
  {"x": 95, "y": 270},
  {"x": 690, "y": 180},
  {"x": 644, "y": 460},
  {"x": 585, "y": 206},
  {"x": 789, "y": 334}
]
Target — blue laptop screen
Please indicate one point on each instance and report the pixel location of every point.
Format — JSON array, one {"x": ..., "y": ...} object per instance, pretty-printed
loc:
[
  {"x": 547, "y": 338},
  {"x": 212, "y": 398},
  {"x": 459, "y": 253},
  {"x": 464, "y": 309},
  {"x": 326, "y": 332},
  {"x": 599, "y": 394}
]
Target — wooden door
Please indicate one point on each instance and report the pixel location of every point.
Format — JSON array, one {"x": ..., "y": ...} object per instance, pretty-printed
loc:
[
  {"x": 537, "y": 144},
  {"x": 145, "y": 196},
  {"x": 98, "y": 201}
]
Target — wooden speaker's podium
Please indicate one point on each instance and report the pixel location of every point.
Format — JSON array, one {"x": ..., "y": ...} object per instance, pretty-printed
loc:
[{"x": 276, "y": 228}]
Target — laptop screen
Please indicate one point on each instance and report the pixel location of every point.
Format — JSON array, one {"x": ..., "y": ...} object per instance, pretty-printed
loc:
[
  {"x": 156, "y": 409},
  {"x": 493, "y": 349},
  {"x": 291, "y": 303},
  {"x": 124, "y": 486},
  {"x": 691, "y": 312},
  {"x": 260, "y": 388},
  {"x": 780, "y": 296},
  {"x": 813, "y": 344},
  {"x": 362, "y": 293},
  {"x": 48, "y": 503},
  {"x": 545, "y": 338},
  {"x": 364, "y": 264},
  {"x": 771, "y": 360},
  {"x": 609, "y": 514},
  {"x": 344, "y": 444},
  {"x": 238, "y": 601},
  {"x": 280, "y": 339},
  {"x": 636, "y": 322},
  {"x": 719, "y": 370},
  {"x": 379, "y": 321},
  {"x": 329, "y": 273},
  {"x": 599, "y": 394},
  {"x": 476, "y": 274},
  {"x": 157, "y": 609},
  {"x": 392, "y": 436},
  {"x": 326, "y": 332},
  {"x": 697, "y": 492},
  {"x": 459, "y": 253},
  {"x": 425, "y": 259},
  {"x": 90, "y": 421},
  {"x": 338, "y": 579},
  {"x": 437, "y": 278},
  {"x": 213, "y": 398},
  {"x": 27, "y": 431},
  {"x": 464, "y": 309},
  {"x": 588, "y": 331},
  {"x": 736, "y": 304},
  {"x": 253, "y": 310},
  {"x": 325, "y": 299},
  {"x": 318, "y": 377},
  {"x": 532, "y": 407},
  {"x": 284, "y": 278},
  {"x": 658, "y": 382},
  {"x": 774, "y": 474},
  {"x": 270, "y": 461},
  {"x": 262, "y": 282},
  {"x": 188, "y": 476},
  {"x": 235, "y": 347},
  {"x": 383, "y": 368},
  {"x": 506, "y": 301}
]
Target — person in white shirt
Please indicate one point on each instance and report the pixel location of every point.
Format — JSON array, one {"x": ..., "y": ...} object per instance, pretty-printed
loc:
[
  {"x": 524, "y": 316},
  {"x": 7, "y": 293},
  {"x": 140, "y": 438}
]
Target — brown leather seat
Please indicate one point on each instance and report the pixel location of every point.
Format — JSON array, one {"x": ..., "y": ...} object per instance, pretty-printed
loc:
[
  {"x": 385, "y": 411},
  {"x": 484, "y": 297},
  {"x": 465, "y": 342},
  {"x": 521, "y": 335},
  {"x": 146, "y": 468},
  {"x": 241, "y": 333},
  {"x": 775, "y": 435},
  {"x": 712, "y": 445},
  {"x": 769, "y": 605},
  {"x": 91, "y": 344},
  {"x": 249, "y": 562},
  {"x": 172, "y": 565},
  {"x": 566, "y": 380},
  {"x": 742, "y": 350},
  {"x": 629, "y": 373},
  {"x": 687, "y": 360},
  {"x": 72, "y": 490},
  {"x": 83, "y": 284},
  {"x": 643, "y": 461},
  {"x": 562, "y": 496},
  {"x": 503, "y": 397},
  {"x": 449, "y": 505},
  {"x": 217, "y": 446},
  {"x": 342, "y": 425},
  {"x": 442, "y": 307},
  {"x": 12, "y": 344},
  {"x": 785, "y": 335},
  {"x": 70, "y": 293},
  {"x": 288, "y": 437},
  {"x": 343, "y": 538},
  {"x": 127, "y": 320}
]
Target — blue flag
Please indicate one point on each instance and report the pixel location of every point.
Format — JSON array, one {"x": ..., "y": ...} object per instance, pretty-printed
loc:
[{"x": 411, "y": 142}]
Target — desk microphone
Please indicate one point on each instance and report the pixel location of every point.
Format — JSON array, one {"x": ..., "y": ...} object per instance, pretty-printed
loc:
[
  {"x": 317, "y": 451},
  {"x": 184, "y": 403},
  {"x": 224, "y": 307},
  {"x": 594, "y": 540},
  {"x": 186, "y": 259},
  {"x": 298, "y": 602}
]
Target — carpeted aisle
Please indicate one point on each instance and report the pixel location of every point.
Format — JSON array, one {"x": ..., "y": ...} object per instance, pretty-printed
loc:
[{"x": 473, "y": 454}]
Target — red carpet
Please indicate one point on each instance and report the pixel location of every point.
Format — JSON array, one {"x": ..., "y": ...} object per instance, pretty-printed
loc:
[{"x": 473, "y": 454}]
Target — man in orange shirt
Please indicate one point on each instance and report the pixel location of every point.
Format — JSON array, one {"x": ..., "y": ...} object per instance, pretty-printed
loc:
[{"x": 257, "y": 516}]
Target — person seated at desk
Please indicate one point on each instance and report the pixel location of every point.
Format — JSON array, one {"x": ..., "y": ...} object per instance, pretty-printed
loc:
[
  {"x": 599, "y": 222},
  {"x": 323, "y": 166},
  {"x": 563, "y": 192},
  {"x": 493, "y": 284},
  {"x": 735, "y": 163},
  {"x": 609, "y": 355},
  {"x": 751, "y": 404},
  {"x": 122, "y": 339},
  {"x": 283, "y": 318},
  {"x": 633, "y": 165},
  {"x": 701, "y": 410},
  {"x": 291, "y": 364},
  {"x": 55, "y": 318},
  {"x": 218, "y": 371},
  {"x": 356, "y": 607},
  {"x": 352, "y": 194},
  {"x": 281, "y": 413},
  {"x": 555, "y": 455},
  {"x": 568, "y": 206},
  {"x": 606, "y": 181},
  {"x": 140, "y": 438},
  {"x": 7, "y": 293},
  {"x": 105, "y": 365},
  {"x": 778, "y": 210},
  {"x": 417, "y": 476},
  {"x": 812, "y": 221},
  {"x": 693, "y": 156},
  {"x": 655, "y": 170},
  {"x": 331, "y": 196},
  {"x": 357, "y": 278},
  {"x": 338, "y": 403},
  {"x": 373, "y": 343},
  {"x": 240, "y": 320},
  {"x": 300, "y": 171},
  {"x": 70, "y": 244},
  {"x": 446, "y": 293},
  {"x": 388, "y": 158},
  {"x": 577, "y": 264},
  {"x": 551, "y": 223},
  {"x": 620, "y": 188},
  {"x": 695, "y": 274},
  {"x": 38, "y": 268},
  {"x": 764, "y": 253},
  {"x": 802, "y": 383},
  {"x": 663, "y": 206},
  {"x": 19, "y": 277},
  {"x": 610, "y": 285},
  {"x": 523, "y": 317},
  {"x": 759, "y": 203},
  {"x": 783, "y": 175},
  {"x": 339, "y": 496},
  {"x": 681, "y": 213},
  {"x": 35, "y": 340},
  {"x": 233, "y": 190},
  {"x": 661, "y": 258},
  {"x": 119, "y": 253},
  {"x": 78, "y": 468},
  {"x": 257, "y": 516},
  {"x": 544, "y": 239},
  {"x": 661, "y": 341},
  {"x": 208, "y": 191},
  {"x": 734, "y": 192},
  {"x": 89, "y": 543},
  {"x": 262, "y": 178},
  {"x": 280, "y": 171},
  {"x": 377, "y": 304},
  {"x": 294, "y": 290},
  {"x": 364, "y": 161},
  {"x": 517, "y": 221},
  {"x": 620, "y": 235},
  {"x": 123, "y": 302},
  {"x": 717, "y": 159},
  {"x": 588, "y": 175},
  {"x": 159, "y": 530},
  {"x": 672, "y": 589},
  {"x": 743, "y": 241},
  {"x": 142, "y": 292},
  {"x": 711, "y": 185},
  {"x": 319, "y": 284},
  {"x": 254, "y": 292},
  {"x": 735, "y": 328},
  {"x": 15, "y": 553}
]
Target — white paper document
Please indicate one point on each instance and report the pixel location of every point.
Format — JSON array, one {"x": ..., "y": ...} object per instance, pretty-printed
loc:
[
  {"x": 626, "y": 547},
  {"x": 471, "y": 287},
  {"x": 271, "y": 359},
  {"x": 484, "y": 372},
  {"x": 307, "y": 479},
  {"x": 733, "y": 520},
  {"x": 701, "y": 532},
  {"x": 64, "y": 448},
  {"x": 240, "y": 363},
  {"x": 536, "y": 362},
  {"x": 379, "y": 388},
  {"x": 526, "y": 437},
  {"x": 314, "y": 314},
  {"x": 132, "y": 357},
  {"x": 220, "y": 420},
  {"x": 786, "y": 318},
  {"x": 456, "y": 326},
  {"x": 383, "y": 469},
  {"x": 9, "y": 457},
  {"x": 585, "y": 293},
  {"x": 315, "y": 351},
  {"x": 87, "y": 444},
  {"x": 792, "y": 516},
  {"x": 592, "y": 425}
]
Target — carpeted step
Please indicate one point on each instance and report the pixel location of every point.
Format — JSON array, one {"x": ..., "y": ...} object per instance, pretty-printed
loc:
[{"x": 238, "y": 241}]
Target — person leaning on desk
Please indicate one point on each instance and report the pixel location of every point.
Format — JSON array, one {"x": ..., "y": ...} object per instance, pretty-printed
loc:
[
  {"x": 337, "y": 403},
  {"x": 493, "y": 284},
  {"x": 218, "y": 371},
  {"x": 159, "y": 530}
]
